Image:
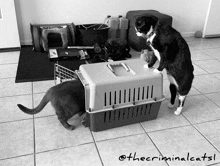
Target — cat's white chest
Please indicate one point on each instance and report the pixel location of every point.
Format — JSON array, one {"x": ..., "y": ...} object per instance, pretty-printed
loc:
[{"x": 156, "y": 53}]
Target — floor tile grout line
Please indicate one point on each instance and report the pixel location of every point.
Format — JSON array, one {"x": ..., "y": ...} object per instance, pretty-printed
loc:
[
  {"x": 153, "y": 143},
  {"x": 205, "y": 95},
  {"x": 108, "y": 139},
  {"x": 213, "y": 164},
  {"x": 193, "y": 125},
  {"x": 206, "y": 139},
  {"x": 23, "y": 94},
  {"x": 18, "y": 156},
  {"x": 18, "y": 120},
  {"x": 15, "y": 95},
  {"x": 3, "y": 64},
  {"x": 215, "y": 76},
  {"x": 34, "y": 134},
  {"x": 43, "y": 151},
  {"x": 61, "y": 148},
  {"x": 100, "y": 157},
  {"x": 187, "y": 125},
  {"x": 211, "y": 92},
  {"x": 208, "y": 73}
]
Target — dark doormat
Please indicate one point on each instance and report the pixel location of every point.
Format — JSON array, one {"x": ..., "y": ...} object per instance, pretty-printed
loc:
[{"x": 36, "y": 66}]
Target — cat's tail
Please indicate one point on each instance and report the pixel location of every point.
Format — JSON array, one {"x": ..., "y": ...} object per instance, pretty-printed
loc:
[{"x": 40, "y": 106}]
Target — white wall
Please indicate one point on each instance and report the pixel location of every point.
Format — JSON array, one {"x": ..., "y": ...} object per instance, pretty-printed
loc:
[
  {"x": 188, "y": 15},
  {"x": 8, "y": 25}
]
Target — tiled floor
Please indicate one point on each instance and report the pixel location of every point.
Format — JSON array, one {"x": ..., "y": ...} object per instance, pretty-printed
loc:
[{"x": 40, "y": 140}]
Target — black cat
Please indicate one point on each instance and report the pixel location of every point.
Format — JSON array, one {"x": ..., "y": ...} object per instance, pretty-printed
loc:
[
  {"x": 173, "y": 54},
  {"x": 67, "y": 98},
  {"x": 116, "y": 49}
]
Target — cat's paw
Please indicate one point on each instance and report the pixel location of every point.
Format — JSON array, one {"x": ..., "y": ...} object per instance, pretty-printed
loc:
[
  {"x": 146, "y": 66},
  {"x": 150, "y": 65},
  {"x": 170, "y": 105},
  {"x": 71, "y": 127},
  {"x": 84, "y": 123},
  {"x": 157, "y": 71},
  {"x": 178, "y": 111}
]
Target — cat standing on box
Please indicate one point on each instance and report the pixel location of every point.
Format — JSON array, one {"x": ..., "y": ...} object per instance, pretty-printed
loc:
[{"x": 173, "y": 54}]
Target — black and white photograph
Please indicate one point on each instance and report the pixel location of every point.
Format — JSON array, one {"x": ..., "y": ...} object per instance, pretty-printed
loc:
[{"x": 109, "y": 83}]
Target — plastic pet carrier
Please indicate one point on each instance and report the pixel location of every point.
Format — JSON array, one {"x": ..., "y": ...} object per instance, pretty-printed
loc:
[{"x": 120, "y": 93}]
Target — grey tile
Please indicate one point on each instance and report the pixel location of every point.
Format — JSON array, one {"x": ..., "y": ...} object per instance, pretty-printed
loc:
[
  {"x": 181, "y": 141},
  {"x": 200, "y": 44},
  {"x": 83, "y": 155},
  {"x": 217, "y": 75},
  {"x": 199, "y": 109},
  {"x": 211, "y": 130},
  {"x": 214, "y": 97},
  {"x": 166, "y": 119},
  {"x": 192, "y": 39},
  {"x": 16, "y": 139},
  {"x": 21, "y": 161},
  {"x": 193, "y": 91},
  {"x": 50, "y": 134},
  {"x": 215, "y": 42},
  {"x": 206, "y": 83},
  {"x": 42, "y": 86},
  {"x": 8, "y": 70},
  {"x": 8, "y": 87},
  {"x": 199, "y": 71},
  {"x": 47, "y": 110},
  {"x": 211, "y": 66},
  {"x": 199, "y": 55},
  {"x": 216, "y": 164},
  {"x": 214, "y": 52},
  {"x": 118, "y": 132},
  {"x": 136, "y": 146},
  {"x": 9, "y": 110},
  {"x": 209, "y": 43},
  {"x": 9, "y": 57}
]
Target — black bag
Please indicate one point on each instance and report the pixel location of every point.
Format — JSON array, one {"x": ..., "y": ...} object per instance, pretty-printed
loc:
[{"x": 90, "y": 34}]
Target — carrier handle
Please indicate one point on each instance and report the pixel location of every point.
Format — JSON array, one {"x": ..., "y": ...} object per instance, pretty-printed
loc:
[{"x": 123, "y": 64}]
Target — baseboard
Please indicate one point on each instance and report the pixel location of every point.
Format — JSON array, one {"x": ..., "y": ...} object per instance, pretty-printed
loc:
[
  {"x": 188, "y": 34},
  {"x": 10, "y": 49}
]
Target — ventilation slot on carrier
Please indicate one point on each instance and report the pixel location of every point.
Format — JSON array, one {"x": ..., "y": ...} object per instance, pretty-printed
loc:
[
  {"x": 127, "y": 113},
  {"x": 128, "y": 95}
]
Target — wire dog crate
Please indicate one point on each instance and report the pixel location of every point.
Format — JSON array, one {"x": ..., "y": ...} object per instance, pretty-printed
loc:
[{"x": 120, "y": 93}]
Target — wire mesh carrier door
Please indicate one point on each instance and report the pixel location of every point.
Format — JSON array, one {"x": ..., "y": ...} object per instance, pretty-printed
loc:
[
  {"x": 120, "y": 93},
  {"x": 62, "y": 74}
]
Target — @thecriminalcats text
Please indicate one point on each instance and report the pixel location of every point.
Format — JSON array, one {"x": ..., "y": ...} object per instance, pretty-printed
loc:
[{"x": 187, "y": 157}]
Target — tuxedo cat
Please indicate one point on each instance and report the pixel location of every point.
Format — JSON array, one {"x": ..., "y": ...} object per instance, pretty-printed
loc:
[
  {"x": 173, "y": 54},
  {"x": 67, "y": 98}
]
